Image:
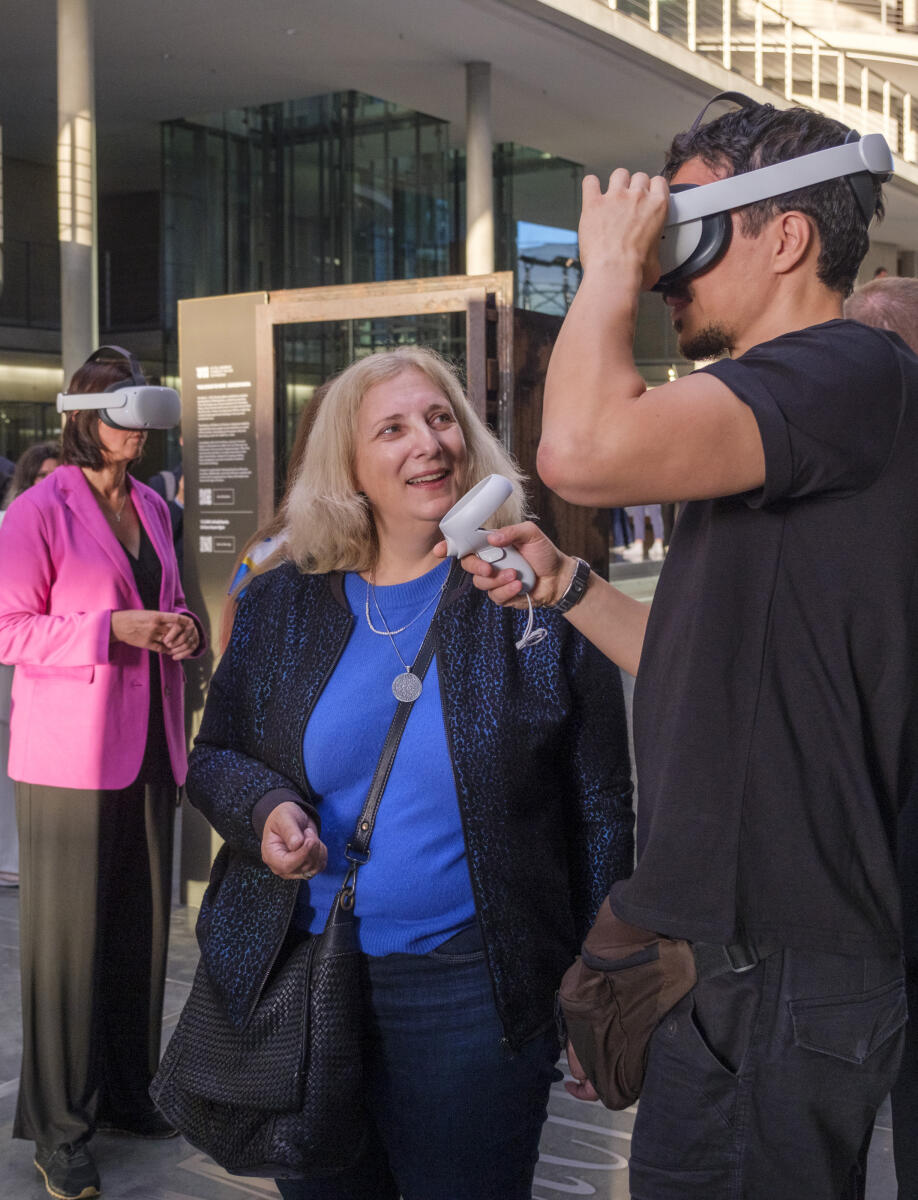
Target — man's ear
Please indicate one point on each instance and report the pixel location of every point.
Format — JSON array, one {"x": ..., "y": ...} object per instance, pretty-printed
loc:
[{"x": 794, "y": 238}]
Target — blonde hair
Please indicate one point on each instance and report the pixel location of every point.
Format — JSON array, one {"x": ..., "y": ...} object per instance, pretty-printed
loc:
[{"x": 328, "y": 523}]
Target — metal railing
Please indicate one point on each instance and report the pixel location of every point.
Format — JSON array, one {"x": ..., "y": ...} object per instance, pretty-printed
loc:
[
  {"x": 866, "y": 16},
  {"x": 763, "y": 45}
]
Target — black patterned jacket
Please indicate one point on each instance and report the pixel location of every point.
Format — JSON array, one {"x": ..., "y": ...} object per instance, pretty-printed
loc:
[{"x": 540, "y": 756}]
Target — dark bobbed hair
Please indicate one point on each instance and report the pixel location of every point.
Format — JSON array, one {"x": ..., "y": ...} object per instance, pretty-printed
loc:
[
  {"x": 81, "y": 445},
  {"x": 28, "y": 464},
  {"x": 760, "y": 135}
]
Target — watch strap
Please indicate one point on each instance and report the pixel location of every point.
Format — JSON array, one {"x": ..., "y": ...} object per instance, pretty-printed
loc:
[{"x": 576, "y": 588}]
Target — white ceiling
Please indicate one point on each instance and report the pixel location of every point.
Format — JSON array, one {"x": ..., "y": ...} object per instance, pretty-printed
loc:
[
  {"x": 557, "y": 84},
  {"x": 162, "y": 59}
]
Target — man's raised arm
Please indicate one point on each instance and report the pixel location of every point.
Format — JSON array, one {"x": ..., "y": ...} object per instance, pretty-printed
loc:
[{"x": 606, "y": 439}]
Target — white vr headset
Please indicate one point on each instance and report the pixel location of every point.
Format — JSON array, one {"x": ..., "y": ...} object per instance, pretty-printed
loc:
[
  {"x": 698, "y": 224},
  {"x": 129, "y": 404}
]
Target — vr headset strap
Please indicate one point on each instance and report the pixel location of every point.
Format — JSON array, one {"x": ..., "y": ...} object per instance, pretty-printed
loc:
[
  {"x": 865, "y": 155},
  {"x": 138, "y": 379}
]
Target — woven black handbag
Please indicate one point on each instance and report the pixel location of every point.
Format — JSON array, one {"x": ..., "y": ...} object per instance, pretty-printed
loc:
[{"x": 282, "y": 1095}]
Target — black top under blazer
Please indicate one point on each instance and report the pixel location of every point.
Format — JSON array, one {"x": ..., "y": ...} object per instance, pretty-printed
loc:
[{"x": 539, "y": 749}]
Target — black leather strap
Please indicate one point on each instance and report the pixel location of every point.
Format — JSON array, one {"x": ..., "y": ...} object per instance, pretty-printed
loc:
[
  {"x": 711, "y": 960},
  {"x": 738, "y": 98},
  {"x": 358, "y": 848},
  {"x": 576, "y": 589}
]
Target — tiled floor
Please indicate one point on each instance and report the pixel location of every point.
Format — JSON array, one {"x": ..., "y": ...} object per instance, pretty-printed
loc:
[{"x": 584, "y": 1147}]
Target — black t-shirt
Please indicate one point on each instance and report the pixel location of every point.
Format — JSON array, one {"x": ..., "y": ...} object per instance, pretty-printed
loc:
[{"x": 775, "y": 709}]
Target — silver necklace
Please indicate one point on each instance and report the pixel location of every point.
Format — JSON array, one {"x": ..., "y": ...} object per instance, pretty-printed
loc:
[
  {"x": 104, "y": 502},
  {"x": 109, "y": 511},
  {"x": 406, "y": 686},
  {"x": 117, "y": 515},
  {"x": 387, "y": 631}
]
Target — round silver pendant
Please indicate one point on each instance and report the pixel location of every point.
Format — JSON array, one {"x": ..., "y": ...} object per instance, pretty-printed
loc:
[{"x": 406, "y": 687}]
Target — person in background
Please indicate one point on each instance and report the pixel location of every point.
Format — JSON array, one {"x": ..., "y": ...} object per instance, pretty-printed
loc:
[
  {"x": 621, "y": 533},
  {"x": 93, "y": 618},
  {"x": 265, "y": 540},
  {"x": 35, "y": 463},
  {"x": 892, "y": 303},
  {"x": 166, "y": 482},
  {"x": 506, "y": 815},
  {"x": 889, "y": 302},
  {"x": 177, "y": 520},
  {"x": 640, "y": 514},
  {"x": 6, "y": 474},
  {"x": 170, "y": 484}
]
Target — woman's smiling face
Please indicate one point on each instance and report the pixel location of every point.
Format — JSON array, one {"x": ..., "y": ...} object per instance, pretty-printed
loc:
[{"x": 409, "y": 451}]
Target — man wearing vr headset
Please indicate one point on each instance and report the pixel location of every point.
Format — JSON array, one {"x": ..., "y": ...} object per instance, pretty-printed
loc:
[{"x": 775, "y": 715}]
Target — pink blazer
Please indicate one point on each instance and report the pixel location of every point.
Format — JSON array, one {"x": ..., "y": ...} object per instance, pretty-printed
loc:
[{"x": 80, "y": 705}]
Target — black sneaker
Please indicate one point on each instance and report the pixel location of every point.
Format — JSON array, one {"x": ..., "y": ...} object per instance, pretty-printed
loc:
[
  {"x": 150, "y": 1124},
  {"x": 69, "y": 1171}
]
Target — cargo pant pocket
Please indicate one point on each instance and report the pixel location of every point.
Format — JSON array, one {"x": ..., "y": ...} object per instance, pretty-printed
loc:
[{"x": 852, "y": 1028}]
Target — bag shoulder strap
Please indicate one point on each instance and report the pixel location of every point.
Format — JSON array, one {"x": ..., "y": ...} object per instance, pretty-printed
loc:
[{"x": 357, "y": 851}]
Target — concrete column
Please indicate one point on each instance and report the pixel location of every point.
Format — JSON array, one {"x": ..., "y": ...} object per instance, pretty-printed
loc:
[
  {"x": 479, "y": 171},
  {"x": 76, "y": 183}
]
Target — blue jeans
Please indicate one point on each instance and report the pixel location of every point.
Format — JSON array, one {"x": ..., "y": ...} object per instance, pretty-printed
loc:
[
  {"x": 456, "y": 1114},
  {"x": 763, "y": 1085}
]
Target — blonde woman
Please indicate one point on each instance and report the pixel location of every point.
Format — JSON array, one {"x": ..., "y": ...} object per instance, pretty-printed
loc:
[{"x": 506, "y": 817}]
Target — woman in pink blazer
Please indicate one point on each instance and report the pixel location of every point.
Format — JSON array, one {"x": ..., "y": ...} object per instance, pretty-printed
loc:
[{"x": 93, "y": 617}]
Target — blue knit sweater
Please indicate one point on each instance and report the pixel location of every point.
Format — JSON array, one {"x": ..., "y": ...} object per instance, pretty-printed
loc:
[{"x": 415, "y": 891}]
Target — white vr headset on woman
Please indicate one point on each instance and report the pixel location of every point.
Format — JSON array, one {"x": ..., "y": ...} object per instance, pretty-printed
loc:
[
  {"x": 129, "y": 404},
  {"x": 698, "y": 225}
]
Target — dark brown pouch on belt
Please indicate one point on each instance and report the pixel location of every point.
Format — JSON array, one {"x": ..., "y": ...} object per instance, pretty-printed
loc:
[{"x": 615, "y": 995}]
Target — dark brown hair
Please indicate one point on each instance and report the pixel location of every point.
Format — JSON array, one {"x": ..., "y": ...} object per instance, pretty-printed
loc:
[
  {"x": 760, "y": 135},
  {"x": 28, "y": 464},
  {"x": 81, "y": 445}
]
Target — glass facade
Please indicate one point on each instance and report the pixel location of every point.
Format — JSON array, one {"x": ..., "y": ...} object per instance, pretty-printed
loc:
[
  {"x": 335, "y": 189},
  {"x": 23, "y": 422},
  {"x": 342, "y": 189},
  {"x": 31, "y": 292},
  {"x": 537, "y": 208}
]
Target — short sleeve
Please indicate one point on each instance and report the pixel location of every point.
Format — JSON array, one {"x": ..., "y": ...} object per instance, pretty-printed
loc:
[{"x": 828, "y": 401}]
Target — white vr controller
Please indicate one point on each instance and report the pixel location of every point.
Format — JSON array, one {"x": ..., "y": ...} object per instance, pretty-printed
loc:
[{"x": 462, "y": 529}]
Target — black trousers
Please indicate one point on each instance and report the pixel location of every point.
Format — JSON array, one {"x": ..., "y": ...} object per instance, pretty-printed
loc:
[
  {"x": 95, "y": 891},
  {"x": 905, "y": 1096},
  {"x": 764, "y": 1085}
]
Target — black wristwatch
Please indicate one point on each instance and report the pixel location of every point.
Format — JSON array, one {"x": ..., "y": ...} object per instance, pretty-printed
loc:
[{"x": 575, "y": 589}]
